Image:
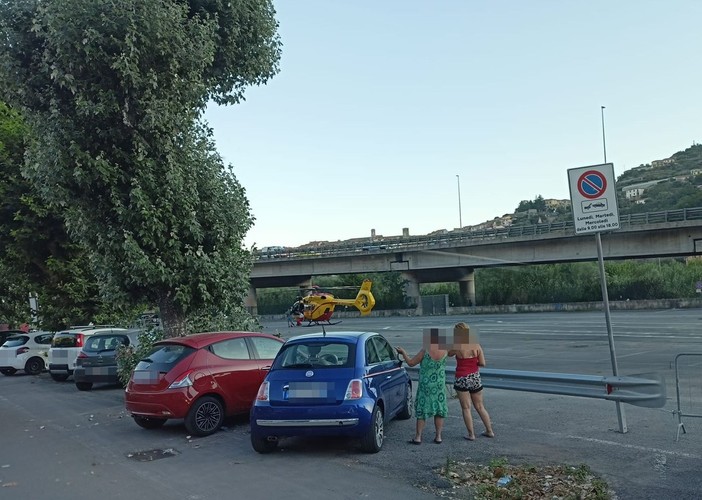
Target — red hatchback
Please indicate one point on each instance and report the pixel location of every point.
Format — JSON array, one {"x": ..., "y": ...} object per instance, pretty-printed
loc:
[{"x": 201, "y": 378}]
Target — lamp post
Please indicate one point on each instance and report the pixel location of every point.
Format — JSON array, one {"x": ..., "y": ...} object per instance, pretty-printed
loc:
[
  {"x": 604, "y": 144},
  {"x": 460, "y": 214}
]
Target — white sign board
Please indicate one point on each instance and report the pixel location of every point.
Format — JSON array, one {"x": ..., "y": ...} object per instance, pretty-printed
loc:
[{"x": 593, "y": 197}]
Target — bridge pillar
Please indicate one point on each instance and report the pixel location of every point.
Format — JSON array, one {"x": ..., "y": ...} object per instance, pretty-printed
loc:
[
  {"x": 250, "y": 302},
  {"x": 466, "y": 289},
  {"x": 411, "y": 290}
]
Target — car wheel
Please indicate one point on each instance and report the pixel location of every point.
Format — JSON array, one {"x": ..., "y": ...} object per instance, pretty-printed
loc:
[
  {"x": 8, "y": 371},
  {"x": 149, "y": 423},
  {"x": 373, "y": 440},
  {"x": 263, "y": 445},
  {"x": 59, "y": 377},
  {"x": 34, "y": 366},
  {"x": 406, "y": 411},
  {"x": 205, "y": 416},
  {"x": 84, "y": 386}
]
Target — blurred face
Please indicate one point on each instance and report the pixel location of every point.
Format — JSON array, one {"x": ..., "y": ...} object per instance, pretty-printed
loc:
[
  {"x": 435, "y": 337},
  {"x": 463, "y": 335}
]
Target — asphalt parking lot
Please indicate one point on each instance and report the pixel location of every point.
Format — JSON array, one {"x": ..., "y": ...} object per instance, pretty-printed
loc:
[{"x": 58, "y": 442}]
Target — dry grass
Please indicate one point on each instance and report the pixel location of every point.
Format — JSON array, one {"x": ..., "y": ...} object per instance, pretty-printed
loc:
[{"x": 477, "y": 481}]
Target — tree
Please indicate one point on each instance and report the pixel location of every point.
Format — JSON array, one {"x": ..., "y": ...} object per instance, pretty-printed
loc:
[{"x": 114, "y": 94}]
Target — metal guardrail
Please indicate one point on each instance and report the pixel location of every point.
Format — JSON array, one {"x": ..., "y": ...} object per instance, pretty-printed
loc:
[
  {"x": 467, "y": 236},
  {"x": 678, "y": 411},
  {"x": 646, "y": 390}
]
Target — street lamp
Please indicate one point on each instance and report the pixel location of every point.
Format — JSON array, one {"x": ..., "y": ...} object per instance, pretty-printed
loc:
[
  {"x": 604, "y": 144},
  {"x": 460, "y": 216}
]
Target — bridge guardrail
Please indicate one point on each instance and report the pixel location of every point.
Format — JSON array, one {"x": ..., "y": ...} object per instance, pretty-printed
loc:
[
  {"x": 647, "y": 390},
  {"x": 398, "y": 243}
]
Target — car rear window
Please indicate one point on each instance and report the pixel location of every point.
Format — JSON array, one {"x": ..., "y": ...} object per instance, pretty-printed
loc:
[
  {"x": 16, "y": 341},
  {"x": 100, "y": 343},
  {"x": 164, "y": 357},
  {"x": 315, "y": 354},
  {"x": 65, "y": 340}
]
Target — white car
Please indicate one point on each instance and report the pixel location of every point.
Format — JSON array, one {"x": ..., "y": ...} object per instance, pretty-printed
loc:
[
  {"x": 66, "y": 345},
  {"x": 25, "y": 351}
]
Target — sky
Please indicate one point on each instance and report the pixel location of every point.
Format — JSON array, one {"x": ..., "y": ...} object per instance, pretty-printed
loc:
[{"x": 388, "y": 115}]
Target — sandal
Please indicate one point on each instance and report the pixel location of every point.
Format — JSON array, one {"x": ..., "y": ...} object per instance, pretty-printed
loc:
[{"x": 412, "y": 441}]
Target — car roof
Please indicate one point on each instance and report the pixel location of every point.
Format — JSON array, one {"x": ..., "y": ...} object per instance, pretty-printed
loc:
[
  {"x": 345, "y": 336},
  {"x": 108, "y": 333},
  {"x": 199, "y": 340}
]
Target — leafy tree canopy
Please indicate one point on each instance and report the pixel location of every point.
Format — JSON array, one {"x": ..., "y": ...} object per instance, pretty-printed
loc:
[{"x": 114, "y": 93}]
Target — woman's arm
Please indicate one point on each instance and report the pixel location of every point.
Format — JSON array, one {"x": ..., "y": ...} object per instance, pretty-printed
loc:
[
  {"x": 411, "y": 361},
  {"x": 481, "y": 356}
]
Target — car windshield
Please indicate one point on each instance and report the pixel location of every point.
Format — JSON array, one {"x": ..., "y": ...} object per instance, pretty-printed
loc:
[
  {"x": 64, "y": 340},
  {"x": 100, "y": 343},
  {"x": 164, "y": 357},
  {"x": 311, "y": 353},
  {"x": 16, "y": 341}
]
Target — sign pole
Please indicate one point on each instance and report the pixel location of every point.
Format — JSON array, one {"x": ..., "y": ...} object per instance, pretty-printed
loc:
[{"x": 621, "y": 416}]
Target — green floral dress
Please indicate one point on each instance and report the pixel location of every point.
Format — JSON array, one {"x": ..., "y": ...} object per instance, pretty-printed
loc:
[{"x": 431, "y": 391}]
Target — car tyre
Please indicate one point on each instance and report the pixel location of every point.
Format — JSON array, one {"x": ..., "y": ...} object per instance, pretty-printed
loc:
[
  {"x": 34, "y": 366},
  {"x": 406, "y": 411},
  {"x": 263, "y": 445},
  {"x": 205, "y": 416},
  {"x": 149, "y": 423},
  {"x": 84, "y": 386},
  {"x": 59, "y": 377},
  {"x": 8, "y": 371},
  {"x": 373, "y": 440}
]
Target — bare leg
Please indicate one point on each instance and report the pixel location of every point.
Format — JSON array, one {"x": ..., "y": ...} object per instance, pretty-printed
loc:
[
  {"x": 439, "y": 424},
  {"x": 420, "y": 430},
  {"x": 464, "y": 399},
  {"x": 477, "y": 398}
]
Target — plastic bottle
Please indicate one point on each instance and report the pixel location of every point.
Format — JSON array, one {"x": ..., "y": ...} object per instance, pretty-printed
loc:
[{"x": 504, "y": 481}]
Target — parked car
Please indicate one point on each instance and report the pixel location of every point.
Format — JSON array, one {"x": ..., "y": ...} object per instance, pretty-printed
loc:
[
  {"x": 331, "y": 384},
  {"x": 6, "y": 334},
  {"x": 201, "y": 378},
  {"x": 97, "y": 360},
  {"x": 25, "y": 351},
  {"x": 66, "y": 345}
]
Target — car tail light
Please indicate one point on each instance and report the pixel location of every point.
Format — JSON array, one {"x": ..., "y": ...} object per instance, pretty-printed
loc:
[
  {"x": 79, "y": 340},
  {"x": 22, "y": 350},
  {"x": 82, "y": 355},
  {"x": 184, "y": 381},
  {"x": 263, "y": 392},
  {"x": 355, "y": 389}
]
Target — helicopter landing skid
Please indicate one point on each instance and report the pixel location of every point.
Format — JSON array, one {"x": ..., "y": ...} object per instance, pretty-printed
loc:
[{"x": 322, "y": 323}]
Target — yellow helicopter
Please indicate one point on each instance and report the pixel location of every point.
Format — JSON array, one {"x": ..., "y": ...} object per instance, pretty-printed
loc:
[{"x": 317, "y": 307}]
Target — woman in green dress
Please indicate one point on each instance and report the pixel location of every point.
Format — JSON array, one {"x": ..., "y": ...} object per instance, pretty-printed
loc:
[{"x": 431, "y": 391}]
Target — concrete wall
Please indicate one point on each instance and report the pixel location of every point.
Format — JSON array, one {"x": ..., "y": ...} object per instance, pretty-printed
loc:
[{"x": 614, "y": 305}]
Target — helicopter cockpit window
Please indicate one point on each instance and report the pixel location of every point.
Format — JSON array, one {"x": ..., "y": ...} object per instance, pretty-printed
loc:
[{"x": 315, "y": 355}]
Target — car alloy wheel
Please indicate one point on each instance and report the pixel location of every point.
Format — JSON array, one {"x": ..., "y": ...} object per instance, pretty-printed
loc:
[
  {"x": 34, "y": 366},
  {"x": 205, "y": 417},
  {"x": 373, "y": 440}
]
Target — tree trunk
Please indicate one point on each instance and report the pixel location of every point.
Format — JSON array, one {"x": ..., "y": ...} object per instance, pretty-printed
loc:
[{"x": 172, "y": 321}]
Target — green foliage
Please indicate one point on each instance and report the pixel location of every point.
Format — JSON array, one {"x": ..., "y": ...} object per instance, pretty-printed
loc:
[{"x": 113, "y": 93}]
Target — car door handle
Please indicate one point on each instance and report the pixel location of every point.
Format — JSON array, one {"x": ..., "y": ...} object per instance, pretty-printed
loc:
[{"x": 266, "y": 368}]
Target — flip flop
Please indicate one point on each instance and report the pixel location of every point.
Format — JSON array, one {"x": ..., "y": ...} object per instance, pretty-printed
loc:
[
  {"x": 412, "y": 441},
  {"x": 438, "y": 441},
  {"x": 468, "y": 438},
  {"x": 485, "y": 434}
]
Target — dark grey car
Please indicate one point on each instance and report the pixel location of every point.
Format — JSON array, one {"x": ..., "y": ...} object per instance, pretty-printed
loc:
[{"x": 97, "y": 362}]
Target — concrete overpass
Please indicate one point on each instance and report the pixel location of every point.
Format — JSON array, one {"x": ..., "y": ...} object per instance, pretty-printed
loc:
[{"x": 455, "y": 256}]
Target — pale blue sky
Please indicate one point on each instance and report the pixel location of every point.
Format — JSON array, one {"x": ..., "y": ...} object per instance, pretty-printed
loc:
[{"x": 380, "y": 104}]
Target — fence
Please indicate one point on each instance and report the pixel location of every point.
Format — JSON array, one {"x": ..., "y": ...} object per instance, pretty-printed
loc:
[
  {"x": 694, "y": 399},
  {"x": 646, "y": 390}
]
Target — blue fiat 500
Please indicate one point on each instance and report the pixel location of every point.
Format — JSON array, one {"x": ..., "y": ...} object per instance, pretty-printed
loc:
[{"x": 331, "y": 384}]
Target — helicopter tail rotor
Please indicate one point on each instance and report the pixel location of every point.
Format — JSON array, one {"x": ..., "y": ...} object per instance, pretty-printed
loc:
[{"x": 364, "y": 300}]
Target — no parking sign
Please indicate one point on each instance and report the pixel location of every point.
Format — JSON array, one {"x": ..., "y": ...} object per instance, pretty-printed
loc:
[{"x": 593, "y": 198}]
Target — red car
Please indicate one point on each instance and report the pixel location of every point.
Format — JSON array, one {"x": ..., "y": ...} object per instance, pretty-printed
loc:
[{"x": 201, "y": 378}]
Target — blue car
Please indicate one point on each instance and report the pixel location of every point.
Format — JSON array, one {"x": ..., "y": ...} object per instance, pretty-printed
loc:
[{"x": 331, "y": 384}]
